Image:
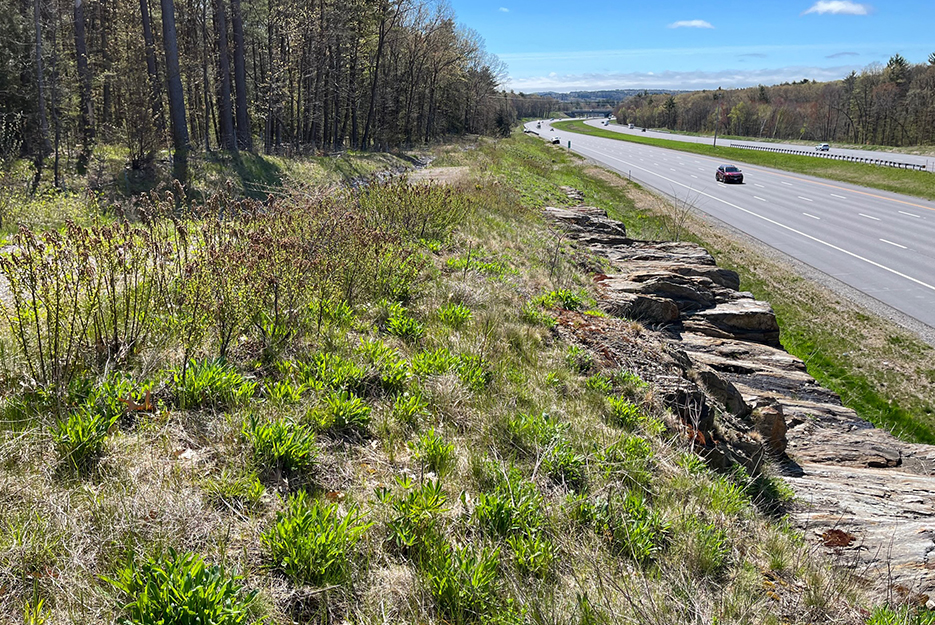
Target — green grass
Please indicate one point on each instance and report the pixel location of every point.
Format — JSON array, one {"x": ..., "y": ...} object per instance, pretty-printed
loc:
[{"x": 916, "y": 183}]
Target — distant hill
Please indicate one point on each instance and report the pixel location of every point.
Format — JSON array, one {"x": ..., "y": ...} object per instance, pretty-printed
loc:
[{"x": 612, "y": 95}]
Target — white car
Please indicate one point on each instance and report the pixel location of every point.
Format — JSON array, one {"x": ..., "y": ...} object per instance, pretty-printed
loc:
[
  {"x": 556, "y": 139},
  {"x": 822, "y": 147}
]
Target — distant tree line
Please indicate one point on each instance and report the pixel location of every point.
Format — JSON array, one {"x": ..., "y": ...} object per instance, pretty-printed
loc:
[
  {"x": 278, "y": 76},
  {"x": 882, "y": 105}
]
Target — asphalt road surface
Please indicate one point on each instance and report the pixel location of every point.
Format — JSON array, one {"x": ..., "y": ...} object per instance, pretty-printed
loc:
[
  {"x": 881, "y": 244},
  {"x": 915, "y": 159}
]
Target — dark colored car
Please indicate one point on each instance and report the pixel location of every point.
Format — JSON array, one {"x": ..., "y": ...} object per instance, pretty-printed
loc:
[{"x": 728, "y": 173}]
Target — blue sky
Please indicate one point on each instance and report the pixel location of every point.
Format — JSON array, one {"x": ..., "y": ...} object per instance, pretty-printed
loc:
[{"x": 681, "y": 44}]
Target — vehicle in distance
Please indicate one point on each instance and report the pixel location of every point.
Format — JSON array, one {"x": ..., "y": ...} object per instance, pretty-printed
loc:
[
  {"x": 728, "y": 173},
  {"x": 556, "y": 139},
  {"x": 630, "y": 126},
  {"x": 823, "y": 147}
]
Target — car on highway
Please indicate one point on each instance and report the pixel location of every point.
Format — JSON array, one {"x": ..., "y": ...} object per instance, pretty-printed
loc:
[
  {"x": 822, "y": 147},
  {"x": 556, "y": 139},
  {"x": 630, "y": 126},
  {"x": 728, "y": 173}
]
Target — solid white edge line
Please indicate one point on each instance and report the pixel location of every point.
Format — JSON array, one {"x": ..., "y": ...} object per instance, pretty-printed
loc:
[
  {"x": 896, "y": 244},
  {"x": 870, "y": 217},
  {"x": 789, "y": 228}
]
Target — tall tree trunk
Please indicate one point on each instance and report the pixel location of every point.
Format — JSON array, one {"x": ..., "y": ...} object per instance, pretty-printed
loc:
[
  {"x": 170, "y": 43},
  {"x": 152, "y": 69},
  {"x": 205, "y": 85},
  {"x": 46, "y": 146},
  {"x": 373, "y": 85},
  {"x": 107, "y": 100},
  {"x": 86, "y": 110},
  {"x": 225, "y": 105},
  {"x": 244, "y": 134}
]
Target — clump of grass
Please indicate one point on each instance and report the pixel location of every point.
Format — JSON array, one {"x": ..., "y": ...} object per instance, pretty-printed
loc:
[
  {"x": 474, "y": 372},
  {"x": 312, "y": 543},
  {"x": 464, "y": 581},
  {"x": 532, "y": 553},
  {"x": 235, "y": 490},
  {"x": 182, "y": 588},
  {"x": 530, "y": 431},
  {"x": 79, "y": 439}
]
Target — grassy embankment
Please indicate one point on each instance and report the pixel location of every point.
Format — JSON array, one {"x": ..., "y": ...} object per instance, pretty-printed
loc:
[
  {"x": 916, "y": 183},
  {"x": 883, "y": 372},
  {"x": 353, "y": 408}
]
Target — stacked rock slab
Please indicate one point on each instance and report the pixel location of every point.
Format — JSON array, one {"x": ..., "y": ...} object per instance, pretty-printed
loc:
[{"x": 862, "y": 495}]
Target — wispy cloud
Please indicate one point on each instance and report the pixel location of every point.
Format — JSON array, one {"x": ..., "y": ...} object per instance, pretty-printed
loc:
[
  {"x": 676, "y": 80},
  {"x": 504, "y": 10},
  {"x": 691, "y": 24},
  {"x": 838, "y": 7},
  {"x": 841, "y": 55}
]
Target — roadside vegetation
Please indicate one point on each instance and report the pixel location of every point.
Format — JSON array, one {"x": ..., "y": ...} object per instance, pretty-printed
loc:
[
  {"x": 352, "y": 407},
  {"x": 916, "y": 183}
]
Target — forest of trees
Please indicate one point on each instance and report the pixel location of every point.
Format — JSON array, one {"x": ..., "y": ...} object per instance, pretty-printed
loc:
[
  {"x": 882, "y": 105},
  {"x": 294, "y": 76}
]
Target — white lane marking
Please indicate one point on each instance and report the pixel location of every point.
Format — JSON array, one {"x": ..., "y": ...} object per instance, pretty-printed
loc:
[
  {"x": 788, "y": 184},
  {"x": 869, "y": 217},
  {"x": 910, "y": 214},
  {"x": 805, "y": 198},
  {"x": 758, "y": 185},
  {"x": 671, "y": 169},
  {"x": 694, "y": 176},
  {"x": 812, "y": 216},
  {"x": 789, "y": 228},
  {"x": 757, "y": 197},
  {"x": 840, "y": 197},
  {"x": 896, "y": 244}
]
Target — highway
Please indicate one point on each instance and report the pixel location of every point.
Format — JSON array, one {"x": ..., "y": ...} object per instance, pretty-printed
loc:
[
  {"x": 881, "y": 244},
  {"x": 926, "y": 161}
]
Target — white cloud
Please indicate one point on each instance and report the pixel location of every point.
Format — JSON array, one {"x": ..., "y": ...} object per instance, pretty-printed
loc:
[
  {"x": 675, "y": 80},
  {"x": 838, "y": 7},
  {"x": 504, "y": 10},
  {"x": 691, "y": 24}
]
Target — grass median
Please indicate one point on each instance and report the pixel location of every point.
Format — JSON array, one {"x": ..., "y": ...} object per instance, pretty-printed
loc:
[{"x": 916, "y": 183}]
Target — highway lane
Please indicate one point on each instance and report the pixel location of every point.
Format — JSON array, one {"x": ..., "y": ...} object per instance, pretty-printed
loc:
[
  {"x": 916, "y": 159},
  {"x": 880, "y": 243}
]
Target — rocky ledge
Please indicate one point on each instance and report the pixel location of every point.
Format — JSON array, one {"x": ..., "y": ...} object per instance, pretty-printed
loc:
[{"x": 862, "y": 495}]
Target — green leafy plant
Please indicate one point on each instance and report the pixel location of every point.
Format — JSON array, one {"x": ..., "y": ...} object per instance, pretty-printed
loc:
[
  {"x": 414, "y": 514},
  {"x": 561, "y": 298},
  {"x": 399, "y": 323},
  {"x": 624, "y": 413},
  {"x": 436, "y": 362},
  {"x": 312, "y": 542},
  {"x": 342, "y": 410},
  {"x": 183, "y": 590},
  {"x": 332, "y": 371},
  {"x": 533, "y": 316},
  {"x": 211, "y": 383},
  {"x": 514, "y": 507},
  {"x": 432, "y": 450},
  {"x": 474, "y": 372},
  {"x": 280, "y": 444},
  {"x": 79, "y": 439},
  {"x": 600, "y": 383},
  {"x": 564, "y": 465},
  {"x": 579, "y": 359},
  {"x": 284, "y": 392},
  {"x": 703, "y": 547},
  {"x": 408, "y": 407},
  {"x": 530, "y": 431},
  {"x": 629, "y": 460},
  {"x": 454, "y": 315},
  {"x": 235, "y": 490},
  {"x": 463, "y": 582},
  {"x": 533, "y": 553}
]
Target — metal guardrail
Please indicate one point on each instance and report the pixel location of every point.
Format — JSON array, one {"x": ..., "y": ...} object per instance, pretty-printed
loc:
[{"x": 838, "y": 157}]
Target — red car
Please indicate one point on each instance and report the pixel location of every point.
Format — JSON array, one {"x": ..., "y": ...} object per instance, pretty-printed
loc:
[{"x": 728, "y": 173}]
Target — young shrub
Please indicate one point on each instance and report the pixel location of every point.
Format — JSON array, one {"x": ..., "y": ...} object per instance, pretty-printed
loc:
[
  {"x": 311, "y": 543},
  {"x": 454, "y": 315},
  {"x": 182, "y": 589},
  {"x": 211, "y": 383},
  {"x": 344, "y": 411},
  {"x": 281, "y": 445},
  {"x": 435, "y": 453}
]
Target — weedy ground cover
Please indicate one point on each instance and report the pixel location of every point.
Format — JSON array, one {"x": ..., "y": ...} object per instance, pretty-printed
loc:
[{"x": 283, "y": 452}]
